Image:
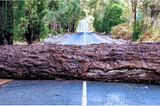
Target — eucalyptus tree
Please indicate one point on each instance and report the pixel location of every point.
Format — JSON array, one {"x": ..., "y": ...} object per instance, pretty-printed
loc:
[
  {"x": 98, "y": 15},
  {"x": 68, "y": 13}
]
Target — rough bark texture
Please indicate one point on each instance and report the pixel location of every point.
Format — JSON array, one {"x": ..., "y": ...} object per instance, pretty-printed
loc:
[
  {"x": 134, "y": 12},
  {"x": 137, "y": 63}
]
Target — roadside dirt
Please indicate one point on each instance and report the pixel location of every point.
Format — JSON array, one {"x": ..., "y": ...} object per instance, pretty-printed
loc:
[
  {"x": 114, "y": 41},
  {"x": 4, "y": 81},
  {"x": 53, "y": 39}
]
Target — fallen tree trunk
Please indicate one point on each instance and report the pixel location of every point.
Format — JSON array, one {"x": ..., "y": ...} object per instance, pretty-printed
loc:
[{"x": 137, "y": 63}]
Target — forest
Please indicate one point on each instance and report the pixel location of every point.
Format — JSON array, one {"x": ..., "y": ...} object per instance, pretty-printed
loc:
[
  {"x": 30, "y": 20},
  {"x": 133, "y": 20}
]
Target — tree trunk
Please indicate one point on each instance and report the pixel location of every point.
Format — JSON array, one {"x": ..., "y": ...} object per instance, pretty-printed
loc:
[
  {"x": 153, "y": 11},
  {"x": 7, "y": 19},
  {"x": 10, "y": 21},
  {"x": 2, "y": 21},
  {"x": 136, "y": 63},
  {"x": 134, "y": 7}
]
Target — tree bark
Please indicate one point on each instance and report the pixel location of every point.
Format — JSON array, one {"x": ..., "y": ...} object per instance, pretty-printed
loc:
[
  {"x": 7, "y": 19},
  {"x": 10, "y": 20},
  {"x": 136, "y": 63},
  {"x": 134, "y": 12},
  {"x": 153, "y": 11}
]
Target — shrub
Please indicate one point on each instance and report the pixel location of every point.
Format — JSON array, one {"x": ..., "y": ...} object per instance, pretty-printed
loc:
[
  {"x": 60, "y": 30},
  {"x": 55, "y": 33},
  {"x": 112, "y": 17},
  {"x": 128, "y": 32},
  {"x": 137, "y": 31}
]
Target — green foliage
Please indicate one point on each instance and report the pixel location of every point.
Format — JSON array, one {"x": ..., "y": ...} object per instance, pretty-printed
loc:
[
  {"x": 39, "y": 24},
  {"x": 128, "y": 32},
  {"x": 106, "y": 18},
  {"x": 6, "y": 22},
  {"x": 113, "y": 31},
  {"x": 53, "y": 5},
  {"x": 31, "y": 18},
  {"x": 19, "y": 18},
  {"x": 112, "y": 17},
  {"x": 73, "y": 13},
  {"x": 97, "y": 24},
  {"x": 68, "y": 13},
  {"x": 137, "y": 31},
  {"x": 55, "y": 33},
  {"x": 60, "y": 30}
]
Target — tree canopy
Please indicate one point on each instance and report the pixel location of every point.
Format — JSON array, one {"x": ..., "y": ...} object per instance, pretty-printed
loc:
[{"x": 30, "y": 19}]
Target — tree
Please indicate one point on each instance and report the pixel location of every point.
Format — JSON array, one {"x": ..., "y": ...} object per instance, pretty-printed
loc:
[
  {"x": 127, "y": 12},
  {"x": 134, "y": 10},
  {"x": 19, "y": 18},
  {"x": 112, "y": 17},
  {"x": 98, "y": 15},
  {"x": 68, "y": 13},
  {"x": 7, "y": 19},
  {"x": 30, "y": 19},
  {"x": 39, "y": 25},
  {"x": 71, "y": 15}
]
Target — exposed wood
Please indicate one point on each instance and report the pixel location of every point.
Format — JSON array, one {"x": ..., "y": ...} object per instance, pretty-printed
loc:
[
  {"x": 137, "y": 63},
  {"x": 4, "y": 81}
]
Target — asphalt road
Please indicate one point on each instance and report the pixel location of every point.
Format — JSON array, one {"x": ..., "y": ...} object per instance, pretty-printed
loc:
[
  {"x": 50, "y": 92},
  {"x": 84, "y": 39}
]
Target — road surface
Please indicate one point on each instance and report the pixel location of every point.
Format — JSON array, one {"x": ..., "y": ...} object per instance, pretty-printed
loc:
[
  {"x": 51, "y": 92},
  {"x": 84, "y": 39}
]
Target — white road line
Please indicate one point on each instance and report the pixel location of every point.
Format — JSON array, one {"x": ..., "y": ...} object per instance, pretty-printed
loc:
[
  {"x": 84, "y": 96},
  {"x": 84, "y": 38}
]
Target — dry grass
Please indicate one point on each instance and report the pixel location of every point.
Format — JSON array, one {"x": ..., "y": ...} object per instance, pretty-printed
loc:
[
  {"x": 151, "y": 37},
  {"x": 122, "y": 31}
]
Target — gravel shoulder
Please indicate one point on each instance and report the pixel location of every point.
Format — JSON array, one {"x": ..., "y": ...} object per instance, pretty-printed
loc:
[
  {"x": 54, "y": 39},
  {"x": 114, "y": 41}
]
